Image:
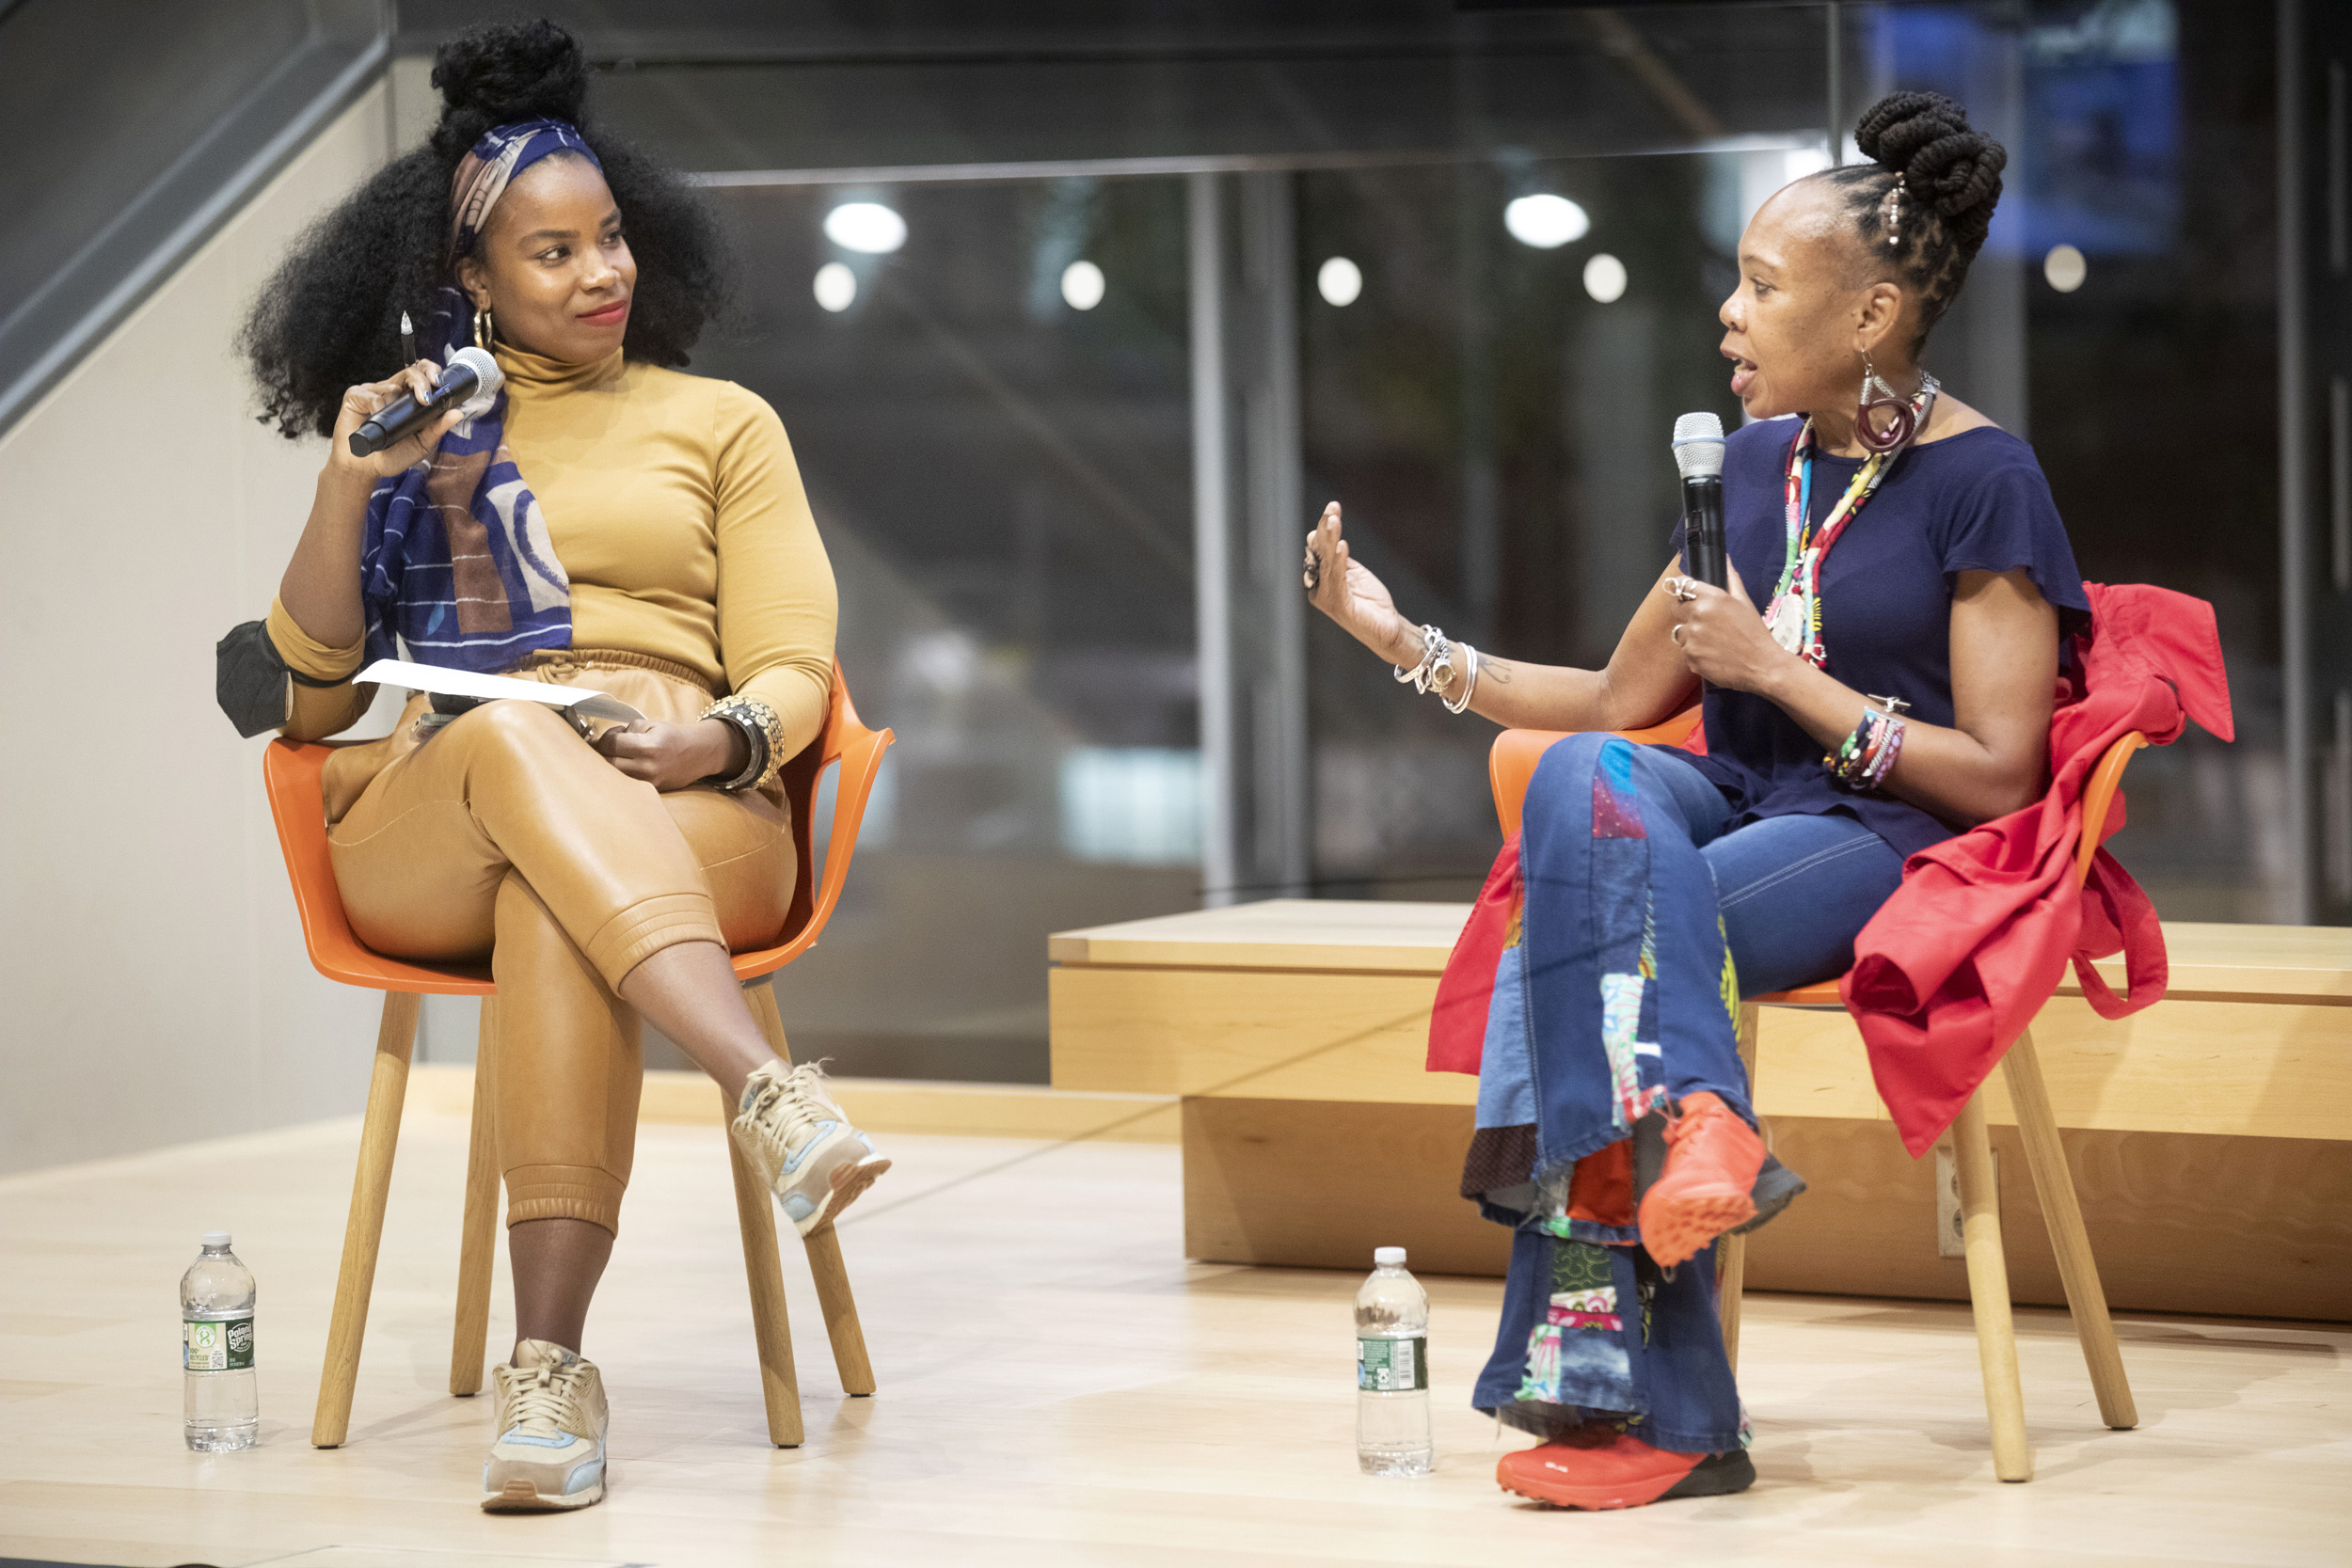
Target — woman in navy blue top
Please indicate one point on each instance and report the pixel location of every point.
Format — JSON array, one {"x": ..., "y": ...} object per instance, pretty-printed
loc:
[
  {"x": 1879, "y": 676},
  {"x": 1961, "y": 501}
]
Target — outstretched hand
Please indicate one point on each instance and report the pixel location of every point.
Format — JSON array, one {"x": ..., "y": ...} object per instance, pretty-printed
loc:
[
  {"x": 1723, "y": 637},
  {"x": 1344, "y": 588}
]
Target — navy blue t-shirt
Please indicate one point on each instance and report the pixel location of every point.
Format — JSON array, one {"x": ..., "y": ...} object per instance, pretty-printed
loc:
[{"x": 1975, "y": 501}]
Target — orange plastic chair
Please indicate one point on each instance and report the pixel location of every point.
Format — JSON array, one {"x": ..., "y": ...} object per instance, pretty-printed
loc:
[
  {"x": 290, "y": 772},
  {"x": 1511, "y": 765}
]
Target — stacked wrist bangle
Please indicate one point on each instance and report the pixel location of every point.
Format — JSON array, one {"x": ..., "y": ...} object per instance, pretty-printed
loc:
[
  {"x": 1436, "y": 672},
  {"x": 1469, "y": 682},
  {"x": 764, "y": 732},
  {"x": 1866, "y": 758}
]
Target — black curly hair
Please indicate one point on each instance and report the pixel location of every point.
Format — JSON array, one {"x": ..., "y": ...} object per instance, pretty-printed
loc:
[
  {"x": 330, "y": 318},
  {"x": 1950, "y": 177}
]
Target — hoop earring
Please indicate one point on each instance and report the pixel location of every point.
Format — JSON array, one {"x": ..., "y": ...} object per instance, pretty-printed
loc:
[
  {"x": 484, "y": 329},
  {"x": 1876, "y": 396}
]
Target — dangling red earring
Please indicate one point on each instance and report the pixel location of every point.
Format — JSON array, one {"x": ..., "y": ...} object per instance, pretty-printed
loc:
[{"x": 1878, "y": 396}]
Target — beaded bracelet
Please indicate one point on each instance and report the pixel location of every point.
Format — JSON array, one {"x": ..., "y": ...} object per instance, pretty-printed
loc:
[
  {"x": 1883, "y": 763},
  {"x": 1866, "y": 758}
]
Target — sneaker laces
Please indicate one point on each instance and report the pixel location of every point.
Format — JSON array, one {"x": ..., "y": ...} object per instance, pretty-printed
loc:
[
  {"x": 544, "y": 1399},
  {"x": 797, "y": 1101}
]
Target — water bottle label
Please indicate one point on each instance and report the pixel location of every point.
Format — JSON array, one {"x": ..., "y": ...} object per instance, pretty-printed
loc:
[
  {"x": 1392, "y": 1365},
  {"x": 216, "y": 1347}
]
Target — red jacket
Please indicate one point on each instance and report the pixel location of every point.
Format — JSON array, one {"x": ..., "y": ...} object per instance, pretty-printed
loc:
[{"x": 1957, "y": 964}]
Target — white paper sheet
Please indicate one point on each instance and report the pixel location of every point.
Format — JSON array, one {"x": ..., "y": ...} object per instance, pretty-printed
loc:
[{"x": 587, "y": 702}]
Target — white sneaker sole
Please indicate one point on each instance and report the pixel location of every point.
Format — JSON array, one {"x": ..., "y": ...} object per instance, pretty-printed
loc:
[
  {"x": 521, "y": 1497},
  {"x": 843, "y": 1187}
]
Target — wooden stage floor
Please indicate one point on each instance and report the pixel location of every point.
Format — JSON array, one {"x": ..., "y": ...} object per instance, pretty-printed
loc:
[{"x": 1058, "y": 1385}]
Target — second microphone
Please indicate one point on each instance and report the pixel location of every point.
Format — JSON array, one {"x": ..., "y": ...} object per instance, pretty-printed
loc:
[{"x": 1698, "y": 446}]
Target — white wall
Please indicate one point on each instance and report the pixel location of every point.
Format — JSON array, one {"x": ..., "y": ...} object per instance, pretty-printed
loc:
[{"x": 152, "y": 983}]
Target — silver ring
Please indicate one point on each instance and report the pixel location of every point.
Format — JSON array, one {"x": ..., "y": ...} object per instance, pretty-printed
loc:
[
  {"x": 1675, "y": 636},
  {"x": 1683, "y": 590}
]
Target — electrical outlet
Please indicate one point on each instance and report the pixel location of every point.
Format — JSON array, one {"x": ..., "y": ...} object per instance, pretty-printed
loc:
[{"x": 1951, "y": 1240}]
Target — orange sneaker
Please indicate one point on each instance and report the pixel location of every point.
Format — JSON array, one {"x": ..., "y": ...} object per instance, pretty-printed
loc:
[
  {"x": 1626, "y": 1473},
  {"x": 1712, "y": 1157}
]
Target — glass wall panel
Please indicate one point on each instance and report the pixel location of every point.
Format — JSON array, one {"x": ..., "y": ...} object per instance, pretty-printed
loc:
[
  {"x": 1493, "y": 415},
  {"x": 990, "y": 405}
]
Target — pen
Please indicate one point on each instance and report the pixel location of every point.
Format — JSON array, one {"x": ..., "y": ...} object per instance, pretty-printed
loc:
[{"x": 407, "y": 340}]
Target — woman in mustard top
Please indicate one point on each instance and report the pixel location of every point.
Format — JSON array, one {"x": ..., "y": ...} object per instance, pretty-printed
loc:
[{"x": 606, "y": 521}]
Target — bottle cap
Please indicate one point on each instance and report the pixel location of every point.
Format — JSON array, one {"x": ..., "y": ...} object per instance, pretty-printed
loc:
[
  {"x": 1389, "y": 1257},
  {"x": 216, "y": 1238}
]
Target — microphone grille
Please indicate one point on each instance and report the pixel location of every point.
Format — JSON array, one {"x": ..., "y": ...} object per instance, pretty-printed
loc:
[
  {"x": 488, "y": 378},
  {"x": 1698, "y": 445}
]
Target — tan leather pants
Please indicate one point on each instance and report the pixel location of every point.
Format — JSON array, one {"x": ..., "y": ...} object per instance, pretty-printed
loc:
[{"x": 506, "y": 836}]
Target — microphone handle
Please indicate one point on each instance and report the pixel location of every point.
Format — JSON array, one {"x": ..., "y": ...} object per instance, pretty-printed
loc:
[
  {"x": 1703, "y": 531},
  {"x": 404, "y": 416}
]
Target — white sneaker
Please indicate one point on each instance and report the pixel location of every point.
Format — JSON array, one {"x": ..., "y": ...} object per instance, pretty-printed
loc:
[
  {"x": 551, "y": 1423},
  {"x": 801, "y": 1145}
]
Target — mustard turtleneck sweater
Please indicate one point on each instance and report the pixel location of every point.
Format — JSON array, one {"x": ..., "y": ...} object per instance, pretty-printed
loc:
[{"x": 676, "y": 510}]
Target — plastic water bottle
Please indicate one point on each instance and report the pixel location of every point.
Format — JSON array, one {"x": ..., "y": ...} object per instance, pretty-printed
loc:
[
  {"x": 1392, "y": 1370},
  {"x": 224, "y": 1409}
]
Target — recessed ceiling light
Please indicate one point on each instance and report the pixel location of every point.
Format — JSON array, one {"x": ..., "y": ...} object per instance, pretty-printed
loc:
[
  {"x": 1547, "y": 222},
  {"x": 1082, "y": 285},
  {"x": 1339, "y": 280},
  {"x": 835, "y": 286},
  {"x": 865, "y": 225},
  {"x": 2065, "y": 268},
  {"x": 1604, "y": 278}
]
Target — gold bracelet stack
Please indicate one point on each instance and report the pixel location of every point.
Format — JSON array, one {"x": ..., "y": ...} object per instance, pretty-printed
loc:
[{"x": 762, "y": 729}]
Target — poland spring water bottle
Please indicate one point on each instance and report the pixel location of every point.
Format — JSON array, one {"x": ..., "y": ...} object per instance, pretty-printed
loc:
[
  {"x": 216, "y": 1349},
  {"x": 1392, "y": 1370}
]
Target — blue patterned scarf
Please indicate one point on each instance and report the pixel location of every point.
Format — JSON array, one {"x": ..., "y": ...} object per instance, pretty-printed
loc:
[{"x": 455, "y": 562}]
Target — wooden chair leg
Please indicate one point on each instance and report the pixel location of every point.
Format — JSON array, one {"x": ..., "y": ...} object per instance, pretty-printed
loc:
[
  {"x": 1731, "y": 1254},
  {"x": 824, "y": 1246},
  {"x": 755, "y": 1211},
  {"x": 1988, "y": 1292},
  {"x": 2054, "y": 1183},
  {"x": 379, "y": 1136},
  {"x": 477, "y": 1243},
  {"x": 840, "y": 1309}
]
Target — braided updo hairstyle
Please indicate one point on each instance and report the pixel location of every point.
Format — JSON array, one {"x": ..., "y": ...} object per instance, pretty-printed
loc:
[
  {"x": 1950, "y": 178},
  {"x": 330, "y": 317}
]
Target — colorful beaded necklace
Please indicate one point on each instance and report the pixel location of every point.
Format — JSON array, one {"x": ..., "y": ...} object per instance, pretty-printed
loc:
[{"x": 1795, "y": 613}]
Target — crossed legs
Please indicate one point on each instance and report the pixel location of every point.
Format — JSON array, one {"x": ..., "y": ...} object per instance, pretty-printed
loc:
[
  {"x": 600, "y": 903},
  {"x": 689, "y": 993}
]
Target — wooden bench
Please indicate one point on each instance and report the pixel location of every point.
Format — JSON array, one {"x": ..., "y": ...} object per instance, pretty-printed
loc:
[{"x": 2210, "y": 1136}]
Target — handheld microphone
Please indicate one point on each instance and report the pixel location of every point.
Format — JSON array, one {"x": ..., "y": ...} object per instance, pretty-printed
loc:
[
  {"x": 472, "y": 378},
  {"x": 1699, "y": 444}
]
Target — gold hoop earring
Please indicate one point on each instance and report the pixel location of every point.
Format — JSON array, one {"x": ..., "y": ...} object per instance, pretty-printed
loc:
[{"x": 484, "y": 329}]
